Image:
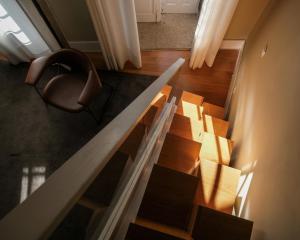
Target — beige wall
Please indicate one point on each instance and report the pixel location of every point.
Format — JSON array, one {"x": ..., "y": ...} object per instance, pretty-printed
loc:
[
  {"x": 74, "y": 19},
  {"x": 265, "y": 122},
  {"x": 245, "y": 17}
]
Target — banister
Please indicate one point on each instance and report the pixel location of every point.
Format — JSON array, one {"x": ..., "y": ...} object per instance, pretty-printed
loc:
[
  {"x": 122, "y": 196},
  {"x": 39, "y": 215}
]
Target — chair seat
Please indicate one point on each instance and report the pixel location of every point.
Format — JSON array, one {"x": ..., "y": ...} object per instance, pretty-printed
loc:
[{"x": 63, "y": 91}]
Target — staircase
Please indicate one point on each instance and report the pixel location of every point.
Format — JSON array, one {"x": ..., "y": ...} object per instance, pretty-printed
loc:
[
  {"x": 192, "y": 189},
  {"x": 157, "y": 171}
]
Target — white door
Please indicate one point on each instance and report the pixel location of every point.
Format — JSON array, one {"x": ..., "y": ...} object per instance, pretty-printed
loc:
[
  {"x": 148, "y": 10},
  {"x": 180, "y": 6}
]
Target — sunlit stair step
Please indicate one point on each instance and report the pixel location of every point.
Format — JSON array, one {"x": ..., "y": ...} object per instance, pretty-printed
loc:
[
  {"x": 190, "y": 98},
  {"x": 215, "y": 148},
  {"x": 179, "y": 154},
  {"x": 156, "y": 106},
  {"x": 217, "y": 186},
  {"x": 169, "y": 198},
  {"x": 193, "y": 106},
  {"x": 215, "y": 225},
  {"x": 149, "y": 230},
  {"x": 192, "y": 128},
  {"x": 162, "y": 96}
]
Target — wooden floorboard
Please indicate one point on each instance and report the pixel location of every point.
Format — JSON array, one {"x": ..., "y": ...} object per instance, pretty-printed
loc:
[{"x": 212, "y": 83}]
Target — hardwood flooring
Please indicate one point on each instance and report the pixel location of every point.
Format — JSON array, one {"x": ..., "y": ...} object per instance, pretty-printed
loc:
[{"x": 211, "y": 83}]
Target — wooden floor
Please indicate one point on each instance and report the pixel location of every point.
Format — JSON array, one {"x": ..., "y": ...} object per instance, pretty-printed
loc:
[{"x": 212, "y": 83}]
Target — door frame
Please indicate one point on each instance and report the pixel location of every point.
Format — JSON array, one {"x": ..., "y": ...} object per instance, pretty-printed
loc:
[{"x": 154, "y": 16}]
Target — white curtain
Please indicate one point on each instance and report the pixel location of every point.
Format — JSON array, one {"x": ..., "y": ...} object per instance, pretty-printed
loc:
[
  {"x": 116, "y": 28},
  {"x": 19, "y": 40},
  {"x": 213, "y": 22}
]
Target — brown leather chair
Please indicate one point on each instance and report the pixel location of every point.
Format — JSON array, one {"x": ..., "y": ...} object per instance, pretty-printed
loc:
[{"x": 72, "y": 91}]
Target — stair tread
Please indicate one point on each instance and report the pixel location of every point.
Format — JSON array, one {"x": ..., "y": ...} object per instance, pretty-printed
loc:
[
  {"x": 215, "y": 148},
  {"x": 191, "y": 128},
  {"x": 102, "y": 189},
  {"x": 179, "y": 154},
  {"x": 188, "y": 97},
  {"x": 139, "y": 232},
  {"x": 217, "y": 186},
  {"x": 175, "y": 232},
  {"x": 133, "y": 141},
  {"x": 169, "y": 197},
  {"x": 211, "y": 224},
  {"x": 162, "y": 95},
  {"x": 189, "y": 105},
  {"x": 212, "y": 110}
]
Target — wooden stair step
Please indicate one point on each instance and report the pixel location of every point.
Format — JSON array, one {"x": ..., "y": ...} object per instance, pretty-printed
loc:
[
  {"x": 102, "y": 189},
  {"x": 169, "y": 197},
  {"x": 156, "y": 106},
  {"x": 215, "y": 225},
  {"x": 188, "y": 97},
  {"x": 74, "y": 225},
  {"x": 146, "y": 229},
  {"x": 179, "y": 154},
  {"x": 215, "y": 148},
  {"x": 133, "y": 141},
  {"x": 189, "y": 105},
  {"x": 212, "y": 110},
  {"x": 164, "y": 94},
  {"x": 217, "y": 186},
  {"x": 138, "y": 232},
  {"x": 192, "y": 128}
]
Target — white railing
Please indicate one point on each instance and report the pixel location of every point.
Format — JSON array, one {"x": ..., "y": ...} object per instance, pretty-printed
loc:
[
  {"x": 148, "y": 154},
  {"x": 39, "y": 215}
]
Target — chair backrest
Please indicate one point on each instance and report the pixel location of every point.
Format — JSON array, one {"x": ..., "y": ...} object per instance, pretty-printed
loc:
[{"x": 79, "y": 62}]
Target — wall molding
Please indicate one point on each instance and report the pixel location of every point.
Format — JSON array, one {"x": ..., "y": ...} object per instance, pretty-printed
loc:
[
  {"x": 234, "y": 45},
  {"x": 86, "y": 46}
]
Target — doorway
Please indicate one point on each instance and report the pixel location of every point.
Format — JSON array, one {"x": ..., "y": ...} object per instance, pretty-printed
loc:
[{"x": 172, "y": 25}]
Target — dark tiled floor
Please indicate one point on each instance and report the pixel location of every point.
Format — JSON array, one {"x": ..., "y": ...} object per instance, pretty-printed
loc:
[{"x": 35, "y": 139}]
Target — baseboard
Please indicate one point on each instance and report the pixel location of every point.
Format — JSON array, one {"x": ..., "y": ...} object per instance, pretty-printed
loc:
[
  {"x": 146, "y": 17},
  {"x": 233, "y": 44},
  {"x": 86, "y": 46}
]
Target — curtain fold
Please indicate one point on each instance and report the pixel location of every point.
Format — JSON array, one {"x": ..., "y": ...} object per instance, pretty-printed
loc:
[
  {"x": 19, "y": 40},
  {"x": 116, "y": 28},
  {"x": 212, "y": 25}
]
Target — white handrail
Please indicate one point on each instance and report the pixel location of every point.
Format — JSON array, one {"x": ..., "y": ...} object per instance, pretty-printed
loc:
[
  {"x": 116, "y": 209},
  {"x": 39, "y": 215}
]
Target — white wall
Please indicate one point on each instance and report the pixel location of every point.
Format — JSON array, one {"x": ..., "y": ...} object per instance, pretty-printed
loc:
[{"x": 265, "y": 122}]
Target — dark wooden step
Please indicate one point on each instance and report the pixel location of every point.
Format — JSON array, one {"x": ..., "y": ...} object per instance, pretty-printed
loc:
[
  {"x": 168, "y": 198},
  {"x": 212, "y": 110},
  {"x": 214, "y": 225},
  {"x": 133, "y": 141},
  {"x": 191, "y": 128},
  {"x": 101, "y": 191},
  {"x": 138, "y": 232},
  {"x": 179, "y": 154}
]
